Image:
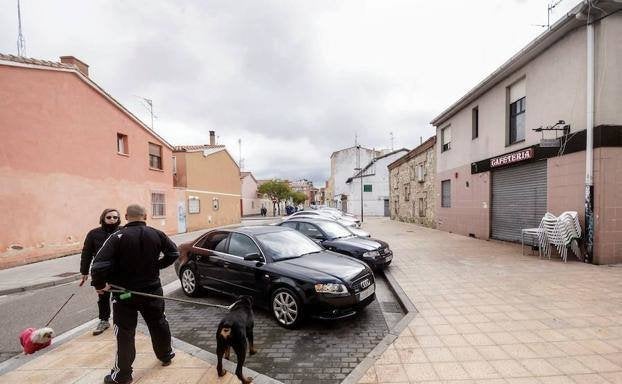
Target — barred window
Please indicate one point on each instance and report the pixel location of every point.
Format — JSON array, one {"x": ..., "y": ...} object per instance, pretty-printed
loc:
[
  {"x": 158, "y": 204},
  {"x": 446, "y": 193}
]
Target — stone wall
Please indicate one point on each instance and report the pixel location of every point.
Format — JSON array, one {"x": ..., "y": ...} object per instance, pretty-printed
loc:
[{"x": 413, "y": 201}]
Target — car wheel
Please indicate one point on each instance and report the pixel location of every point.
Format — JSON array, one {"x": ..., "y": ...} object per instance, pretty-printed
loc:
[
  {"x": 189, "y": 282},
  {"x": 286, "y": 308}
]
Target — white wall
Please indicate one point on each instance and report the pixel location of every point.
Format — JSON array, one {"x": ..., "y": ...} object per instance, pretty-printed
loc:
[
  {"x": 378, "y": 176},
  {"x": 345, "y": 162}
]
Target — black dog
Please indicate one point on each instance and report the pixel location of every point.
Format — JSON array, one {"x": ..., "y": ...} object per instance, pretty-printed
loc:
[{"x": 233, "y": 330}]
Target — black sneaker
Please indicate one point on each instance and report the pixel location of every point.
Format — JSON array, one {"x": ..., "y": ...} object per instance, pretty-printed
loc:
[
  {"x": 168, "y": 360},
  {"x": 101, "y": 327},
  {"x": 109, "y": 380}
]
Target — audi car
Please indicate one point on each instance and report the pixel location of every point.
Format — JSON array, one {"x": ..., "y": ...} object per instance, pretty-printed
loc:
[
  {"x": 337, "y": 238},
  {"x": 284, "y": 271}
]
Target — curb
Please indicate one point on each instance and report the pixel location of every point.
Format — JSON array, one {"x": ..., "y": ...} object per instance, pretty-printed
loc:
[
  {"x": 410, "y": 312},
  {"x": 45, "y": 284}
]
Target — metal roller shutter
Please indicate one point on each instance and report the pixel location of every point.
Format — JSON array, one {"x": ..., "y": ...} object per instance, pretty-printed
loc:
[{"x": 518, "y": 199}]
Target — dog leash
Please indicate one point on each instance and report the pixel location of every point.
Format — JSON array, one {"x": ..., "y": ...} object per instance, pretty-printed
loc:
[
  {"x": 60, "y": 309},
  {"x": 126, "y": 294}
]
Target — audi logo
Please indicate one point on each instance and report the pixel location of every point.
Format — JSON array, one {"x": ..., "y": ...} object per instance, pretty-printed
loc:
[{"x": 365, "y": 284}]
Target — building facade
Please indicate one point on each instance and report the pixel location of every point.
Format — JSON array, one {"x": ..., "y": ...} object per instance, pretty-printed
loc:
[
  {"x": 69, "y": 150},
  {"x": 412, "y": 180},
  {"x": 514, "y": 147},
  {"x": 374, "y": 188},
  {"x": 210, "y": 180},
  {"x": 342, "y": 167},
  {"x": 251, "y": 200}
]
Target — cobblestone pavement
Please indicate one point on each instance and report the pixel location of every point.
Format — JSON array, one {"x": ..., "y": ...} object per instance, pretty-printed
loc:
[
  {"x": 319, "y": 352},
  {"x": 489, "y": 315}
]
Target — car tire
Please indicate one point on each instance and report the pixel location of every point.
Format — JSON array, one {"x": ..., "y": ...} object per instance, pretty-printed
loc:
[
  {"x": 286, "y": 308},
  {"x": 189, "y": 282}
]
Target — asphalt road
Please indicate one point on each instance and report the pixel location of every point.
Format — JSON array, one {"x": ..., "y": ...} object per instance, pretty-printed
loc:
[{"x": 35, "y": 308}]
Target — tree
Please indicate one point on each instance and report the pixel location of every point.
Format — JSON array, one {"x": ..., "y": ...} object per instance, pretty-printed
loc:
[
  {"x": 298, "y": 197},
  {"x": 277, "y": 191}
]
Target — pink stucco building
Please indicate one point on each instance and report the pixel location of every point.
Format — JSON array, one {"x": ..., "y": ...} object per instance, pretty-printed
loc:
[{"x": 69, "y": 150}]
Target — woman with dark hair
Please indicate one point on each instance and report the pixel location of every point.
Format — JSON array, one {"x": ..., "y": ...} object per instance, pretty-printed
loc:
[{"x": 109, "y": 222}]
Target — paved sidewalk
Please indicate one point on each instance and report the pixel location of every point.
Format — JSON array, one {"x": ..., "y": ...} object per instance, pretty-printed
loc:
[
  {"x": 87, "y": 359},
  {"x": 65, "y": 269},
  {"x": 489, "y": 315}
]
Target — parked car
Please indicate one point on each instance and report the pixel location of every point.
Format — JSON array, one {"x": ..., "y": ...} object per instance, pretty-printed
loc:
[
  {"x": 284, "y": 271},
  {"x": 325, "y": 215},
  {"x": 336, "y": 237}
]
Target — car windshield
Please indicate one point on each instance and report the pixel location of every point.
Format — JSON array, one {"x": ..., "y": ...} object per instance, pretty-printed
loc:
[
  {"x": 334, "y": 230},
  {"x": 286, "y": 244}
]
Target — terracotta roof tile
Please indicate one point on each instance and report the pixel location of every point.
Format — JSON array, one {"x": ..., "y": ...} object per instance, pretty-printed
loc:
[
  {"x": 192, "y": 148},
  {"x": 29, "y": 60}
]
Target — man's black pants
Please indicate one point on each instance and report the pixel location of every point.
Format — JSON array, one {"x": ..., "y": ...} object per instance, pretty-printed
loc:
[
  {"x": 125, "y": 316},
  {"x": 103, "y": 303}
]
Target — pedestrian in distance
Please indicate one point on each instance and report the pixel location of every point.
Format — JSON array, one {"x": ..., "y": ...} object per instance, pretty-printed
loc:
[
  {"x": 130, "y": 258},
  {"x": 109, "y": 222}
]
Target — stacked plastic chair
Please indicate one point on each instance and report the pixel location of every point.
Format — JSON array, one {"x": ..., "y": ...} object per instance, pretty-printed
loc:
[{"x": 561, "y": 232}]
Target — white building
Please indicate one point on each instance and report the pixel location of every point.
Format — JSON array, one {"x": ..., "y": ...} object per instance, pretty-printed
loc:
[
  {"x": 342, "y": 166},
  {"x": 375, "y": 188},
  {"x": 251, "y": 201}
]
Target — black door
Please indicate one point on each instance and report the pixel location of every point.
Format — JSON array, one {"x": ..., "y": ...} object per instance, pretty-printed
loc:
[
  {"x": 244, "y": 277},
  {"x": 210, "y": 257}
]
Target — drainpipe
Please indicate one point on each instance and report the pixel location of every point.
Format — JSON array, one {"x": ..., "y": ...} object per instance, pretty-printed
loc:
[{"x": 589, "y": 148}]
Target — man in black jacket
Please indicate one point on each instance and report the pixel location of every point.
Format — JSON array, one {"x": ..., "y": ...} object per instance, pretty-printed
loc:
[
  {"x": 109, "y": 222},
  {"x": 130, "y": 258}
]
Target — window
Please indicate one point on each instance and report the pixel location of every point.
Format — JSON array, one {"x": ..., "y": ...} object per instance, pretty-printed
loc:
[
  {"x": 242, "y": 245},
  {"x": 158, "y": 204},
  {"x": 215, "y": 242},
  {"x": 289, "y": 224},
  {"x": 215, "y": 204},
  {"x": 194, "y": 204},
  {"x": 310, "y": 230},
  {"x": 423, "y": 206},
  {"x": 367, "y": 188},
  {"x": 174, "y": 165},
  {"x": 475, "y": 123},
  {"x": 446, "y": 193},
  {"x": 446, "y": 138},
  {"x": 420, "y": 172},
  {"x": 407, "y": 192},
  {"x": 155, "y": 156},
  {"x": 517, "y": 121},
  {"x": 122, "y": 147},
  {"x": 516, "y": 96}
]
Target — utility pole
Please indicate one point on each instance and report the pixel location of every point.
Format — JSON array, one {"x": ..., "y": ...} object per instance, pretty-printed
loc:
[
  {"x": 358, "y": 168},
  {"x": 589, "y": 147}
]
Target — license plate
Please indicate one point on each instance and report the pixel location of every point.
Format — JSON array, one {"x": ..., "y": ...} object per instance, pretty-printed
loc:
[{"x": 366, "y": 293}]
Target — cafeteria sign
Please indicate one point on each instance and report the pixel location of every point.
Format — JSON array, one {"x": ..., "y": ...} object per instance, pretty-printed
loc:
[{"x": 513, "y": 157}]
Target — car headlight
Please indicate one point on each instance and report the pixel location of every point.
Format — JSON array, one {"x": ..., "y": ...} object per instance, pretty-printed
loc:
[
  {"x": 331, "y": 288},
  {"x": 371, "y": 254}
]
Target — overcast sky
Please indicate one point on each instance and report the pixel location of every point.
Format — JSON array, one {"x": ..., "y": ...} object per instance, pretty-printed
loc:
[{"x": 294, "y": 80}]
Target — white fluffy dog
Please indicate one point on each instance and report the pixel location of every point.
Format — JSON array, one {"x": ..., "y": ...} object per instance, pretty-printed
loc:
[{"x": 33, "y": 339}]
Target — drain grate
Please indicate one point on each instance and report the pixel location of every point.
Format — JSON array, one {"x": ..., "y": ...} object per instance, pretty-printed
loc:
[
  {"x": 67, "y": 274},
  {"x": 390, "y": 307}
]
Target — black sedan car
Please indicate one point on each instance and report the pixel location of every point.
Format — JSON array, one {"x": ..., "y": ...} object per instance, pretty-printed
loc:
[
  {"x": 336, "y": 237},
  {"x": 282, "y": 269}
]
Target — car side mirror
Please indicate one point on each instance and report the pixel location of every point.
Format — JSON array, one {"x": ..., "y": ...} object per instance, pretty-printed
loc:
[{"x": 252, "y": 257}]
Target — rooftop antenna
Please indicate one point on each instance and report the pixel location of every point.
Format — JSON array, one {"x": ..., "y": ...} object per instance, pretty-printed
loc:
[
  {"x": 552, "y": 5},
  {"x": 356, "y": 139},
  {"x": 148, "y": 103},
  {"x": 21, "y": 43},
  {"x": 391, "y": 133}
]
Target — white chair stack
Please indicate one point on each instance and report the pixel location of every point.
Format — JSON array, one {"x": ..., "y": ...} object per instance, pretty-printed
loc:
[{"x": 561, "y": 232}]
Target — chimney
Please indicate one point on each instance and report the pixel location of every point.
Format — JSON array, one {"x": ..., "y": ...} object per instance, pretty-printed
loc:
[
  {"x": 212, "y": 138},
  {"x": 81, "y": 66}
]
